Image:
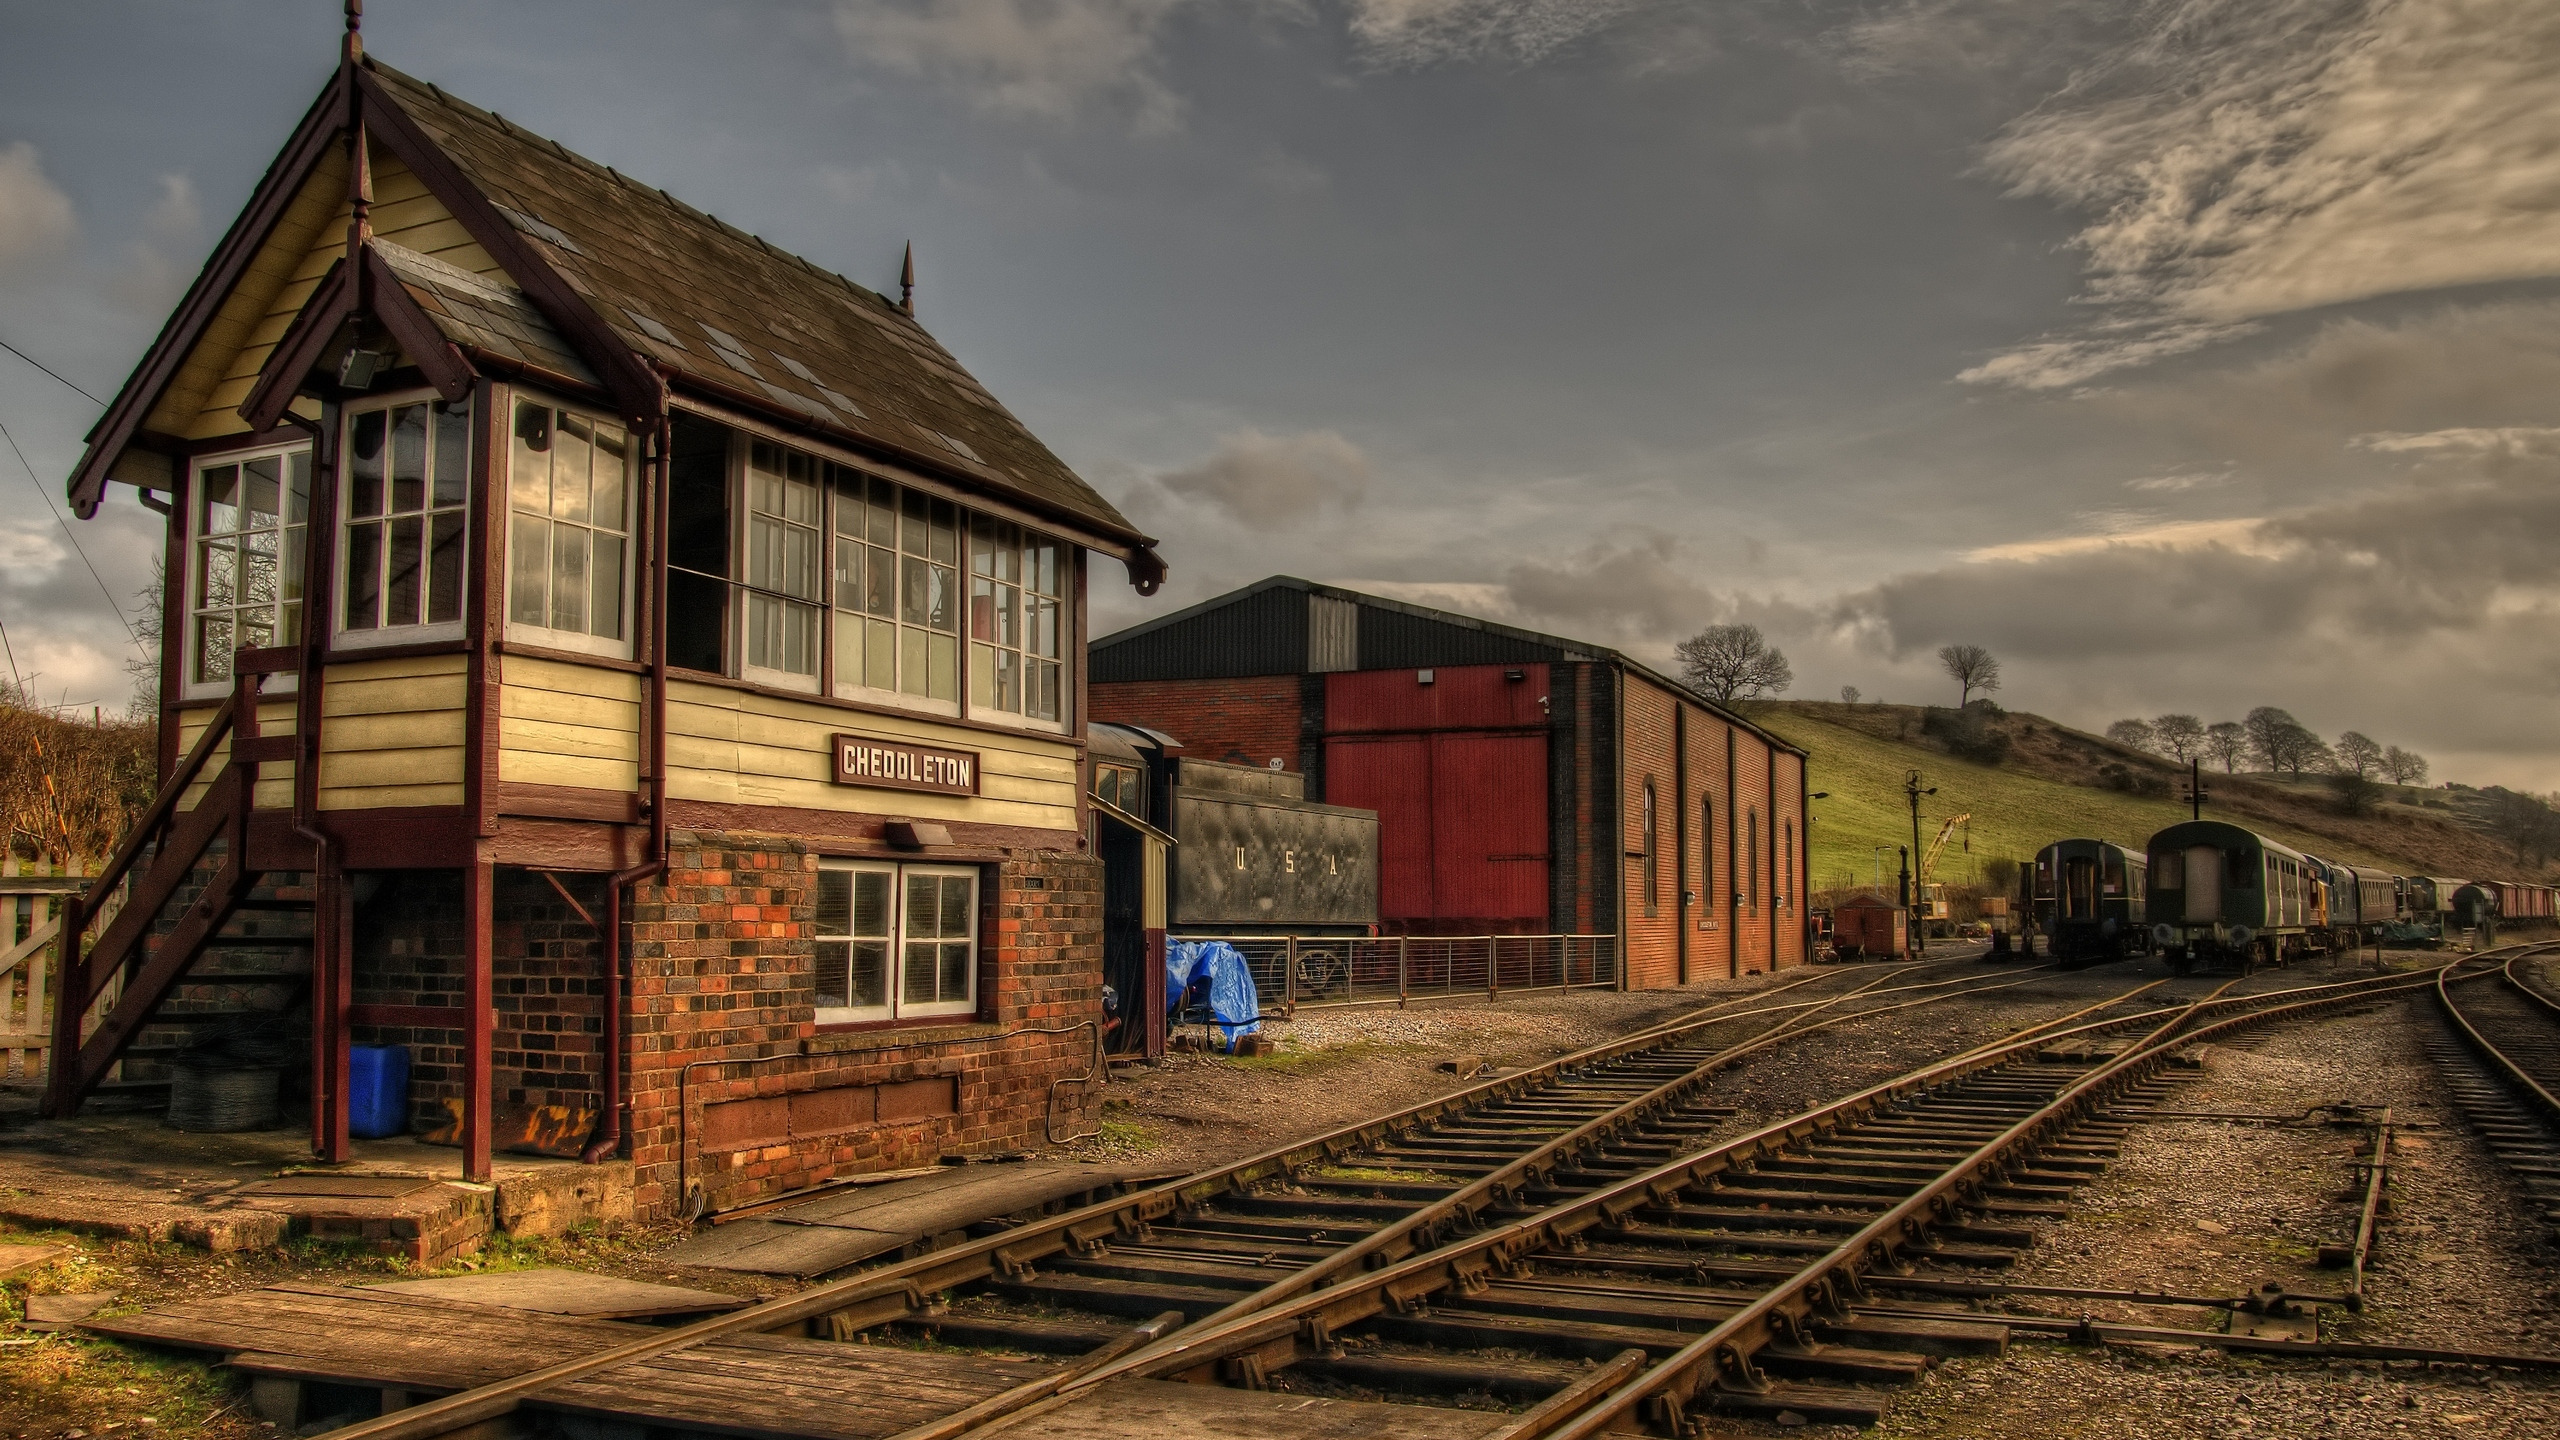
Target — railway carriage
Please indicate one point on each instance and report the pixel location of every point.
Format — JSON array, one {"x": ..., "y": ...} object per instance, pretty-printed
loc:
[
  {"x": 2475, "y": 907},
  {"x": 2222, "y": 895},
  {"x": 2087, "y": 901}
]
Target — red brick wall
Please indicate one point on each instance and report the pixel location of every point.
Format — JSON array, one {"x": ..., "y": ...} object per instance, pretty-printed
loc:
[
  {"x": 546, "y": 975},
  {"x": 1653, "y": 921},
  {"x": 1248, "y": 721},
  {"x": 1709, "y": 850},
  {"x": 723, "y": 1012}
]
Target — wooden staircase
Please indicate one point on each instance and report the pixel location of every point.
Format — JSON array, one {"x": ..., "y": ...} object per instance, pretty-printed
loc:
[{"x": 207, "y": 951}]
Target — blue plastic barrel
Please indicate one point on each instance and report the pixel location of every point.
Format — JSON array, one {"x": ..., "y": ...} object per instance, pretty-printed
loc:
[{"x": 377, "y": 1090}]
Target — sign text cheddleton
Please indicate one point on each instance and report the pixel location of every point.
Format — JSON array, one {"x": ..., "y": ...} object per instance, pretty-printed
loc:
[{"x": 897, "y": 765}]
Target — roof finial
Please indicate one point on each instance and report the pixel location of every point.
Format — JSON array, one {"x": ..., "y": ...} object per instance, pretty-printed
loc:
[
  {"x": 907, "y": 280},
  {"x": 355, "y": 31}
]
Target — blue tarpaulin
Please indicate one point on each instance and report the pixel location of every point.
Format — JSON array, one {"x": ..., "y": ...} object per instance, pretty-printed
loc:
[{"x": 1213, "y": 973}]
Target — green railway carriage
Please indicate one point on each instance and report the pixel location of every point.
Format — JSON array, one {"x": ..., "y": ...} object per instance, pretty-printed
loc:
[
  {"x": 2222, "y": 895},
  {"x": 2088, "y": 901}
]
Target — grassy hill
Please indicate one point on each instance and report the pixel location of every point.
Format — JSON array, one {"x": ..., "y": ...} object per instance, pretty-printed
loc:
[{"x": 2054, "y": 783}]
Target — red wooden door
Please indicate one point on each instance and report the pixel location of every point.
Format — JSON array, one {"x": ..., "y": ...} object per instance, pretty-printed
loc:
[
  {"x": 1391, "y": 775},
  {"x": 1489, "y": 826}
]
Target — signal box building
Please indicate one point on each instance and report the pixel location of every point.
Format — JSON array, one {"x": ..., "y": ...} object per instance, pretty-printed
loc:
[
  {"x": 1524, "y": 783},
  {"x": 632, "y": 669}
]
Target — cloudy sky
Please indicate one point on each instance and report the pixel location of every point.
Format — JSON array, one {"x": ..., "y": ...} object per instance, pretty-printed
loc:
[{"x": 2192, "y": 355}]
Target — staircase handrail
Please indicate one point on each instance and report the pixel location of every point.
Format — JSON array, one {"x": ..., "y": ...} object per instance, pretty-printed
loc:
[{"x": 164, "y": 804}]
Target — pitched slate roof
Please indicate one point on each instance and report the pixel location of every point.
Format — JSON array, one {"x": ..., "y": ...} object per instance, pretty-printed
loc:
[
  {"x": 481, "y": 314},
  {"x": 722, "y": 308}
]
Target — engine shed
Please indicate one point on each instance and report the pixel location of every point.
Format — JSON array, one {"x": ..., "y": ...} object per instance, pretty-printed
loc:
[
  {"x": 1524, "y": 783},
  {"x": 636, "y": 672}
]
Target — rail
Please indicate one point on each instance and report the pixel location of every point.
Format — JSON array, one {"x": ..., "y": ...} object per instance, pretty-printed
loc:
[
  {"x": 1294, "y": 972},
  {"x": 2506, "y": 1065},
  {"x": 905, "y": 1287}
]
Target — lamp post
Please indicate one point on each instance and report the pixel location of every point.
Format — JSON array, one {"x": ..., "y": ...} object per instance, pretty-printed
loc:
[
  {"x": 1911, "y": 789},
  {"x": 2196, "y": 793}
]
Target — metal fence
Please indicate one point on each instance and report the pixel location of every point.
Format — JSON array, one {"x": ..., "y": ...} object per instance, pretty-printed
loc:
[{"x": 1292, "y": 971}]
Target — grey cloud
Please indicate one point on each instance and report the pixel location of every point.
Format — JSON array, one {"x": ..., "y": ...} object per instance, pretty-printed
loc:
[
  {"x": 2244, "y": 161},
  {"x": 1273, "y": 480},
  {"x": 1040, "y": 59},
  {"x": 1430, "y": 32},
  {"x": 36, "y": 220}
]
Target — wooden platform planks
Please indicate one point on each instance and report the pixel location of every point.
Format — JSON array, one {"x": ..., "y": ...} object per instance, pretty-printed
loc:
[
  {"x": 769, "y": 1386},
  {"x": 834, "y": 1231},
  {"x": 371, "y": 1336},
  {"x": 569, "y": 1292}
]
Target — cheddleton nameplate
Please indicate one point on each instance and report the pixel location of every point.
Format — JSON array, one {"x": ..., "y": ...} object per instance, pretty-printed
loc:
[{"x": 898, "y": 765}]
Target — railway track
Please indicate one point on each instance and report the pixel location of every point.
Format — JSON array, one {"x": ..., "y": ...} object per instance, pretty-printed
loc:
[
  {"x": 1576, "y": 1244},
  {"x": 2501, "y": 1058}
]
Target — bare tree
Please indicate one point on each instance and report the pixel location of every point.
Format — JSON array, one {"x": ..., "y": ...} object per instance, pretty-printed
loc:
[
  {"x": 2282, "y": 742},
  {"x": 1973, "y": 667},
  {"x": 2358, "y": 755},
  {"x": 2525, "y": 822},
  {"x": 2226, "y": 741},
  {"x": 2181, "y": 736},
  {"x": 2136, "y": 734},
  {"x": 1733, "y": 662},
  {"x": 1850, "y": 695},
  {"x": 2356, "y": 791},
  {"x": 2405, "y": 767}
]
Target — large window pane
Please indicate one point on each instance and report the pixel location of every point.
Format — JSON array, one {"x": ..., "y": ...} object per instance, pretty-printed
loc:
[
  {"x": 364, "y": 463},
  {"x": 444, "y": 567},
  {"x": 453, "y": 455},
  {"x": 400, "y": 583},
  {"x": 604, "y": 610},
  {"x": 408, "y": 457},
  {"x": 364, "y": 576},
  {"x": 568, "y": 577},
  {"x": 529, "y": 571}
]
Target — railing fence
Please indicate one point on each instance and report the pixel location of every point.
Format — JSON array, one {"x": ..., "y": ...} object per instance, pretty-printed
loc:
[{"x": 1300, "y": 971}]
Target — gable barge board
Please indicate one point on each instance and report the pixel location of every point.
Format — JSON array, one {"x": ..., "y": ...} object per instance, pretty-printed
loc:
[{"x": 276, "y": 191}]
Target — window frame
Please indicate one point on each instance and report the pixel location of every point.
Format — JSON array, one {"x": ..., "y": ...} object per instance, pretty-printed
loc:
[
  {"x": 742, "y": 529},
  {"x": 895, "y": 1009},
  {"x": 634, "y": 466},
  {"x": 1651, "y": 833},
  {"x": 191, "y": 527},
  {"x": 831, "y": 469},
  {"x": 343, "y": 636}
]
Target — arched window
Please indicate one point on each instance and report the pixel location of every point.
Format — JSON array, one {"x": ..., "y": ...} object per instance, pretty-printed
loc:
[
  {"x": 1707, "y": 860},
  {"x": 1751, "y": 860},
  {"x": 1652, "y": 861}
]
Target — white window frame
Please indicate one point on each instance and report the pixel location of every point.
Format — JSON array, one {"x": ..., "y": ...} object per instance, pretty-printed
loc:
[
  {"x": 341, "y": 635},
  {"x": 574, "y": 641},
  {"x": 974, "y": 651},
  {"x": 743, "y": 592},
  {"x": 191, "y": 525},
  {"x": 895, "y": 1006},
  {"x": 899, "y": 626}
]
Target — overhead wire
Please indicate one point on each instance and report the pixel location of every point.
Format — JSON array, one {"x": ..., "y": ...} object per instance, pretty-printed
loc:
[
  {"x": 56, "y": 511},
  {"x": 49, "y": 370}
]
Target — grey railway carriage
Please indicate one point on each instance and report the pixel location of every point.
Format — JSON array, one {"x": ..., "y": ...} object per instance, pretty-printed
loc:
[
  {"x": 2221, "y": 895},
  {"x": 2088, "y": 901}
]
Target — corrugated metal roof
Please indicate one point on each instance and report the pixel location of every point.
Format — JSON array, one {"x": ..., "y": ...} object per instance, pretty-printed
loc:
[{"x": 1262, "y": 629}]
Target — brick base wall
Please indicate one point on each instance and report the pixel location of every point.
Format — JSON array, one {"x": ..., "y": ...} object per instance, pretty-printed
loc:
[
  {"x": 547, "y": 979},
  {"x": 737, "y": 1093}
]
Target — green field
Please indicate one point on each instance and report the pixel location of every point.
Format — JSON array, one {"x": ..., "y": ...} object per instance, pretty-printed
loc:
[{"x": 2014, "y": 814}]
